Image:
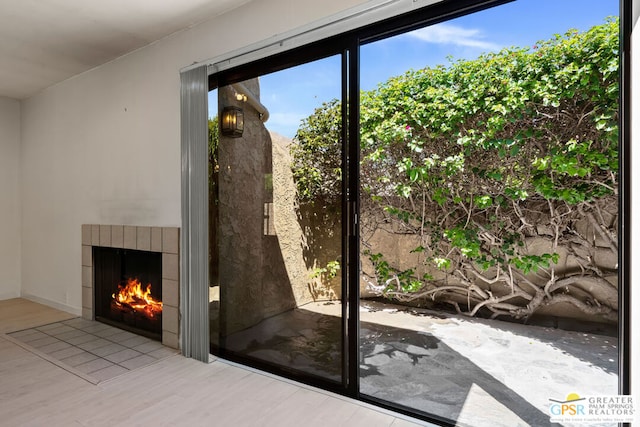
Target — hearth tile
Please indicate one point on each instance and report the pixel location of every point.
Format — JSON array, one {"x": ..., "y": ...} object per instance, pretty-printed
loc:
[
  {"x": 35, "y": 335},
  {"x": 107, "y": 333},
  {"x": 94, "y": 365},
  {"x": 134, "y": 342},
  {"x": 170, "y": 240},
  {"x": 43, "y": 342},
  {"x": 163, "y": 352},
  {"x": 81, "y": 339},
  {"x": 67, "y": 352},
  {"x": 123, "y": 355},
  {"x": 95, "y": 327},
  {"x": 170, "y": 319},
  {"x": 117, "y": 236},
  {"x": 121, "y": 336},
  {"x": 95, "y": 235},
  {"x": 56, "y": 346},
  {"x": 87, "y": 256},
  {"x": 65, "y": 336},
  {"x": 105, "y": 235},
  {"x": 24, "y": 335},
  {"x": 143, "y": 238},
  {"x": 79, "y": 359},
  {"x": 148, "y": 347},
  {"x": 92, "y": 345},
  {"x": 49, "y": 327},
  {"x": 170, "y": 293},
  {"x": 137, "y": 362},
  {"x": 108, "y": 349},
  {"x": 59, "y": 329},
  {"x": 170, "y": 266},
  {"x": 86, "y": 234},
  {"x": 170, "y": 339},
  {"x": 87, "y": 313},
  {"x": 130, "y": 237},
  {"x": 108, "y": 372},
  {"x": 156, "y": 239},
  {"x": 78, "y": 322}
]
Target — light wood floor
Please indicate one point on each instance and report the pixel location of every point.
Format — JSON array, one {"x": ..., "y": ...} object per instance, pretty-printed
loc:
[
  {"x": 172, "y": 392},
  {"x": 17, "y": 314}
]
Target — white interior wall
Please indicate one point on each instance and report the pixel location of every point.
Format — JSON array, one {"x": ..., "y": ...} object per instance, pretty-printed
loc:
[
  {"x": 104, "y": 146},
  {"x": 9, "y": 198}
]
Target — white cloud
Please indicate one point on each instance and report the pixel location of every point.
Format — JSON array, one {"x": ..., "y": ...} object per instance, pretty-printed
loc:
[{"x": 454, "y": 35}]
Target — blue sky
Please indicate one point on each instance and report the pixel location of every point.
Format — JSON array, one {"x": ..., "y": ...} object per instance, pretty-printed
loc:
[{"x": 293, "y": 94}]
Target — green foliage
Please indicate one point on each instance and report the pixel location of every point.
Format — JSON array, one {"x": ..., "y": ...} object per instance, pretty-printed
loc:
[
  {"x": 213, "y": 135},
  {"x": 328, "y": 272},
  {"x": 473, "y": 156},
  {"x": 317, "y": 154},
  {"x": 529, "y": 263},
  {"x": 394, "y": 279},
  {"x": 553, "y": 107}
]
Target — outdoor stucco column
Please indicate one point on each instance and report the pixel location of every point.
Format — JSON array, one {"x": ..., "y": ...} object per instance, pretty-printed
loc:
[{"x": 241, "y": 202}]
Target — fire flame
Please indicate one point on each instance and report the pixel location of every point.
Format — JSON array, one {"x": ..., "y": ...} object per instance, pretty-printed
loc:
[{"x": 132, "y": 295}]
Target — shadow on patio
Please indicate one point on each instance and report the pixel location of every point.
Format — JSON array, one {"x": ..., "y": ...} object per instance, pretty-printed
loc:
[{"x": 472, "y": 371}]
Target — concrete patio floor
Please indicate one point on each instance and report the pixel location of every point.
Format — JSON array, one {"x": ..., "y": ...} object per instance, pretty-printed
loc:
[
  {"x": 481, "y": 372},
  {"x": 474, "y": 372}
]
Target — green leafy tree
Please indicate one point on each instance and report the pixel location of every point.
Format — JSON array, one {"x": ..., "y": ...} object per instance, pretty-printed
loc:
[
  {"x": 477, "y": 160},
  {"x": 316, "y": 155}
]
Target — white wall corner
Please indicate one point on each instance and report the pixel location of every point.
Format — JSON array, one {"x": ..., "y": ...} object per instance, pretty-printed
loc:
[{"x": 10, "y": 199}]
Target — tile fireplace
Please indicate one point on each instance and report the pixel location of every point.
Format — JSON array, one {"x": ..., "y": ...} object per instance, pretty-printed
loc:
[{"x": 114, "y": 257}]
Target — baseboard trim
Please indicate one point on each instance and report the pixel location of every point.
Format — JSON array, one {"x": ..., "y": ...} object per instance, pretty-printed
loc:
[
  {"x": 9, "y": 295},
  {"x": 54, "y": 304}
]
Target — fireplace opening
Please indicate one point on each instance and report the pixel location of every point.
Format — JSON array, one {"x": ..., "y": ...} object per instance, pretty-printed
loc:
[{"x": 128, "y": 290}]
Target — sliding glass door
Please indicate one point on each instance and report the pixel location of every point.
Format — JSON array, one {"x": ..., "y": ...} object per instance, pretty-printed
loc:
[
  {"x": 276, "y": 285},
  {"x": 488, "y": 213},
  {"x": 423, "y": 213}
]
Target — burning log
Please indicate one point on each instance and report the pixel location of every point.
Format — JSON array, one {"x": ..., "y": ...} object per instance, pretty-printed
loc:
[{"x": 133, "y": 305}]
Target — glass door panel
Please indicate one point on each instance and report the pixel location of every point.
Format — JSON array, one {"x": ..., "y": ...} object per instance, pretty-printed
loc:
[
  {"x": 488, "y": 229},
  {"x": 276, "y": 277},
  {"x": 487, "y": 216}
]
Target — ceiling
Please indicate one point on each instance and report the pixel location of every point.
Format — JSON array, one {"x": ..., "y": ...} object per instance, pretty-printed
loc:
[{"x": 43, "y": 42}]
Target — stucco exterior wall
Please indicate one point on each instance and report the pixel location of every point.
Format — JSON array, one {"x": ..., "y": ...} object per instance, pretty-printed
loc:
[{"x": 291, "y": 238}]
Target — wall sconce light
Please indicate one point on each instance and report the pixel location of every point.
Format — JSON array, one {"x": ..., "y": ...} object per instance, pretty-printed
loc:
[{"x": 232, "y": 122}]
